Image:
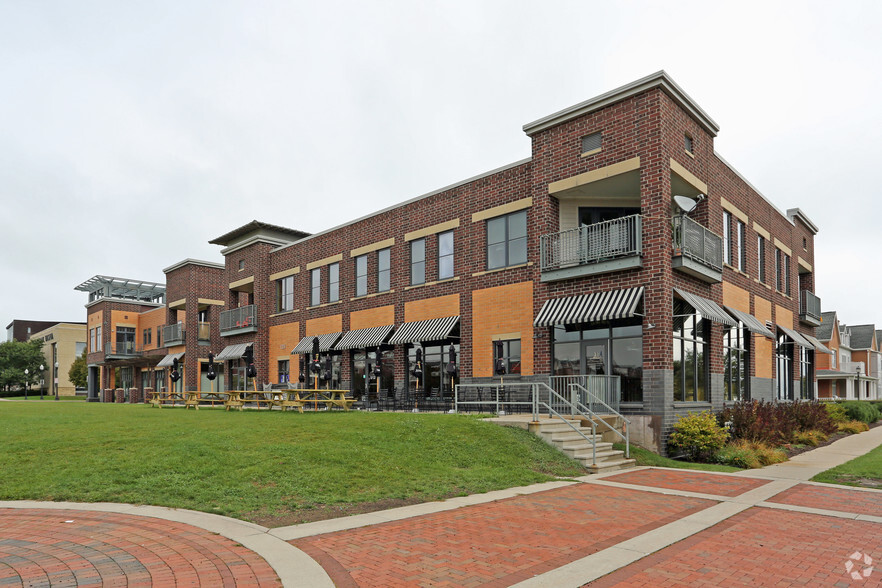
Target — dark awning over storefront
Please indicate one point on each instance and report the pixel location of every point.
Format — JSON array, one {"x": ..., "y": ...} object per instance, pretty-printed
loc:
[
  {"x": 751, "y": 323},
  {"x": 818, "y": 345},
  {"x": 232, "y": 352},
  {"x": 590, "y": 308},
  {"x": 419, "y": 331},
  {"x": 707, "y": 308},
  {"x": 168, "y": 360},
  {"x": 364, "y": 338},
  {"x": 326, "y": 343},
  {"x": 797, "y": 338}
]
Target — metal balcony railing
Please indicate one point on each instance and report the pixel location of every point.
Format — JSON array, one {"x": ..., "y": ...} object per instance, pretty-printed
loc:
[
  {"x": 595, "y": 243},
  {"x": 204, "y": 331},
  {"x": 809, "y": 305},
  {"x": 238, "y": 318},
  {"x": 122, "y": 348},
  {"x": 697, "y": 242},
  {"x": 174, "y": 334}
]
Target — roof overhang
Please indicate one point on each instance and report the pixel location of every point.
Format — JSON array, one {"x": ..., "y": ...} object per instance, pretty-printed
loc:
[
  {"x": 190, "y": 261},
  {"x": 659, "y": 79}
]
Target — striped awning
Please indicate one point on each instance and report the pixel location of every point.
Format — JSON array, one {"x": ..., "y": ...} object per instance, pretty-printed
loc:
[
  {"x": 708, "y": 308},
  {"x": 751, "y": 323},
  {"x": 590, "y": 308},
  {"x": 168, "y": 360},
  {"x": 818, "y": 345},
  {"x": 326, "y": 343},
  {"x": 419, "y": 331},
  {"x": 797, "y": 338},
  {"x": 364, "y": 338},
  {"x": 232, "y": 352}
]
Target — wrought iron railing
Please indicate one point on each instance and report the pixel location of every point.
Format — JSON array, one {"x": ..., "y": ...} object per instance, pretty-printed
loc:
[
  {"x": 621, "y": 237},
  {"x": 606, "y": 389},
  {"x": 204, "y": 332},
  {"x": 697, "y": 242},
  {"x": 174, "y": 334},
  {"x": 238, "y": 318},
  {"x": 810, "y": 304},
  {"x": 126, "y": 348}
]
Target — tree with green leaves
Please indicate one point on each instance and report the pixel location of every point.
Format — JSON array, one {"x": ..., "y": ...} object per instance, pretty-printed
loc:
[
  {"x": 15, "y": 357},
  {"x": 79, "y": 372}
]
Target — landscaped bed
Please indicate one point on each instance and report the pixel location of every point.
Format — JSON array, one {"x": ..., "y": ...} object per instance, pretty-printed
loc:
[{"x": 269, "y": 467}]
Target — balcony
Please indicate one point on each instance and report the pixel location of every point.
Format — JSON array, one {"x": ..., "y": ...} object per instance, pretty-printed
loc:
[
  {"x": 238, "y": 321},
  {"x": 599, "y": 248},
  {"x": 121, "y": 350},
  {"x": 697, "y": 251},
  {"x": 204, "y": 332},
  {"x": 174, "y": 335},
  {"x": 809, "y": 308}
]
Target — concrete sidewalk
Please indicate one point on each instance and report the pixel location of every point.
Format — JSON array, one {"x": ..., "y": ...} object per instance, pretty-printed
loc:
[{"x": 630, "y": 527}]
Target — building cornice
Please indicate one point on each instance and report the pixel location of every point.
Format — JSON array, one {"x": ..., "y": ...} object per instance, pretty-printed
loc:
[{"x": 190, "y": 261}]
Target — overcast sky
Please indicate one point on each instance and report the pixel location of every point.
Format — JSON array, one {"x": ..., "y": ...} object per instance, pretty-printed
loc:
[{"x": 132, "y": 133}]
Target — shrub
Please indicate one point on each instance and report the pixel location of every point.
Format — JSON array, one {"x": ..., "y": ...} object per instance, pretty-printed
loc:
[
  {"x": 776, "y": 424},
  {"x": 852, "y": 427},
  {"x": 813, "y": 437},
  {"x": 698, "y": 435},
  {"x": 861, "y": 411},
  {"x": 738, "y": 454},
  {"x": 769, "y": 455},
  {"x": 809, "y": 416},
  {"x": 836, "y": 412}
]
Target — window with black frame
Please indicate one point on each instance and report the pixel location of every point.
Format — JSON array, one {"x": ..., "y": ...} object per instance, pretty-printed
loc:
[
  {"x": 735, "y": 363},
  {"x": 511, "y": 355},
  {"x": 284, "y": 367},
  {"x": 690, "y": 354},
  {"x": 784, "y": 367},
  {"x": 507, "y": 240},
  {"x": 285, "y": 294},
  {"x": 806, "y": 373}
]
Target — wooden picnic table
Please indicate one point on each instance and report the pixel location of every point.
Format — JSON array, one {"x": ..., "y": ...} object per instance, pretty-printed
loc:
[
  {"x": 159, "y": 397},
  {"x": 330, "y": 398}
]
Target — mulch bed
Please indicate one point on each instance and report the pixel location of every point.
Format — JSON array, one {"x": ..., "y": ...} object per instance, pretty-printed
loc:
[{"x": 792, "y": 450}]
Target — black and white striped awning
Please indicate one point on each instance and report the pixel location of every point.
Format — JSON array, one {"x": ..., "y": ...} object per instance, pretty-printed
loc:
[
  {"x": 232, "y": 352},
  {"x": 797, "y": 338},
  {"x": 590, "y": 308},
  {"x": 326, "y": 343},
  {"x": 364, "y": 338},
  {"x": 169, "y": 359},
  {"x": 419, "y": 331},
  {"x": 818, "y": 345},
  {"x": 707, "y": 308},
  {"x": 751, "y": 323}
]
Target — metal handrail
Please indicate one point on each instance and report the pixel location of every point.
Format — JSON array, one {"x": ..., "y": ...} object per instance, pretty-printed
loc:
[
  {"x": 810, "y": 304},
  {"x": 620, "y": 237},
  {"x": 626, "y": 437},
  {"x": 237, "y": 318},
  {"x": 695, "y": 241},
  {"x": 552, "y": 395},
  {"x": 609, "y": 385},
  {"x": 499, "y": 392}
]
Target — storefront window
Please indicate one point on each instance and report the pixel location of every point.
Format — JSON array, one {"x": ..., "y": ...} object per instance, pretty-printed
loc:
[
  {"x": 735, "y": 363},
  {"x": 690, "y": 354}
]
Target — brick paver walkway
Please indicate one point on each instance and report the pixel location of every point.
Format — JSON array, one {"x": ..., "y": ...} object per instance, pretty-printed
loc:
[
  {"x": 689, "y": 481},
  {"x": 829, "y": 498},
  {"x": 497, "y": 543},
  {"x": 87, "y": 548},
  {"x": 761, "y": 547}
]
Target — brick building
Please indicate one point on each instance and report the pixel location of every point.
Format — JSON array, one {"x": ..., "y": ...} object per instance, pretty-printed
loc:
[{"x": 625, "y": 251}]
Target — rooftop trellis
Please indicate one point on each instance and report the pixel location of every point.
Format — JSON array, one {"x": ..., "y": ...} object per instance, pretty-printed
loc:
[{"x": 122, "y": 288}]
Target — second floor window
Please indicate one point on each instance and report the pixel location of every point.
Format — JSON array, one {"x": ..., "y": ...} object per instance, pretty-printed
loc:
[
  {"x": 507, "y": 240},
  {"x": 445, "y": 255},
  {"x": 285, "y": 294},
  {"x": 315, "y": 279},
  {"x": 727, "y": 238},
  {"x": 384, "y": 270},
  {"x": 361, "y": 275},
  {"x": 742, "y": 246},
  {"x": 761, "y": 258},
  {"x": 148, "y": 338},
  {"x": 418, "y": 261},
  {"x": 334, "y": 282}
]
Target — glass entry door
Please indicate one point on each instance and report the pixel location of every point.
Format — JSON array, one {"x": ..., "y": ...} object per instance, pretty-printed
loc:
[{"x": 595, "y": 358}]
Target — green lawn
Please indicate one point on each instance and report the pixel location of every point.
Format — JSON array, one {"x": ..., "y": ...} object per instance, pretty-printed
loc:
[
  {"x": 865, "y": 470},
  {"x": 648, "y": 458},
  {"x": 254, "y": 465},
  {"x": 32, "y": 396}
]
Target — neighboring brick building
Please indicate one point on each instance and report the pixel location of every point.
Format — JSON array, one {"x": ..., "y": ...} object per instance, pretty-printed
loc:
[{"x": 624, "y": 246}]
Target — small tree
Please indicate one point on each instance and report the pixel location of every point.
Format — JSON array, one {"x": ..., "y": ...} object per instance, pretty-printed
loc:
[
  {"x": 15, "y": 357},
  {"x": 79, "y": 372}
]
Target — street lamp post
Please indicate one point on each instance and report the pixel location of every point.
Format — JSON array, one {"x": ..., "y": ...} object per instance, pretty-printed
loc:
[
  {"x": 42, "y": 379},
  {"x": 26, "y": 383},
  {"x": 55, "y": 381}
]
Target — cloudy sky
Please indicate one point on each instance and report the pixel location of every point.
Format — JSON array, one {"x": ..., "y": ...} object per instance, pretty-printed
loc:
[{"x": 132, "y": 133}]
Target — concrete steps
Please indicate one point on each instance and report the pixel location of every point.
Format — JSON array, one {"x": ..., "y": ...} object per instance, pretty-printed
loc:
[{"x": 573, "y": 444}]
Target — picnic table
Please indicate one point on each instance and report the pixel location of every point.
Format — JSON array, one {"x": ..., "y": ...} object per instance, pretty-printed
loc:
[
  {"x": 330, "y": 398},
  {"x": 158, "y": 398}
]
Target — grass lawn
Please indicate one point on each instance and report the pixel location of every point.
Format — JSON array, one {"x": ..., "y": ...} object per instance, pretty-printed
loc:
[
  {"x": 264, "y": 466},
  {"x": 865, "y": 471},
  {"x": 46, "y": 397},
  {"x": 648, "y": 458}
]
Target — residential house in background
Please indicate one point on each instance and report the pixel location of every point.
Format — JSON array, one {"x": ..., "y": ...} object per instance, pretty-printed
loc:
[{"x": 852, "y": 371}]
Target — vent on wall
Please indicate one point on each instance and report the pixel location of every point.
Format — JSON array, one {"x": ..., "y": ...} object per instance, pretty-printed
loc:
[{"x": 591, "y": 142}]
